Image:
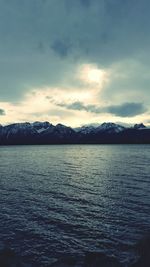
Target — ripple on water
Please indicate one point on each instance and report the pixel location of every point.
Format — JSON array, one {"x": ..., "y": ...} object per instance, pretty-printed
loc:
[{"x": 60, "y": 200}]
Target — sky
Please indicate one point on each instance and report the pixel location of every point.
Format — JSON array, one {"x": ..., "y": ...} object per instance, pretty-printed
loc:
[{"x": 75, "y": 62}]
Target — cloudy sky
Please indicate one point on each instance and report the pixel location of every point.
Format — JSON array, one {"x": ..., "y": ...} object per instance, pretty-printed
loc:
[{"x": 75, "y": 61}]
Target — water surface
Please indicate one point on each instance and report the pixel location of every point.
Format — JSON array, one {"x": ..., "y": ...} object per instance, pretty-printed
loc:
[{"x": 59, "y": 200}]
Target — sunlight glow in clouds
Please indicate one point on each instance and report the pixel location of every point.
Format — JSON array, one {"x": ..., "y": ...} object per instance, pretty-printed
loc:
[
  {"x": 93, "y": 75},
  {"x": 45, "y": 104},
  {"x": 50, "y": 104}
]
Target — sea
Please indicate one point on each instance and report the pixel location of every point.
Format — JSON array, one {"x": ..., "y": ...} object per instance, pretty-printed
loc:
[{"x": 61, "y": 200}]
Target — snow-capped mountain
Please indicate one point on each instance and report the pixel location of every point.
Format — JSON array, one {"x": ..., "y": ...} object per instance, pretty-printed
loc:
[
  {"x": 15, "y": 129},
  {"x": 63, "y": 129},
  {"x": 139, "y": 126},
  {"x": 47, "y": 133},
  {"x": 41, "y": 126},
  {"x": 59, "y": 131},
  {"x": 35, "y": 133},
  {"x": 85, "y": 129},
  {"x": 104, "y": 127},
  {"x": 110, "y": 128}
]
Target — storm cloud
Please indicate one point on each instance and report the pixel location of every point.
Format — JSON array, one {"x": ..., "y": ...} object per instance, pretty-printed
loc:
[
  {"x": 123, "y": 110},
  {"x": 127, "y": 109},
  {"x": 61, "y": 48},
  {"x": 81, "y": 106}
]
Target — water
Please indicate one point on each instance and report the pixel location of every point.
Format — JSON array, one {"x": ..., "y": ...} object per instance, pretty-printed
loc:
[{"x": 60, "y": 200}]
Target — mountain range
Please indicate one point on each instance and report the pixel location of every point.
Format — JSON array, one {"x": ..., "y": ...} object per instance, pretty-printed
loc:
[{"x": 46, "y": 133}]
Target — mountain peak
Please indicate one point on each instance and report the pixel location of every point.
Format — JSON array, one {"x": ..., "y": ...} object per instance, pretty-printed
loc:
[
  {"x": 139, "y": 126},
  {"x": 39, "y": 124},
  {"x": 110, "y": 127}
]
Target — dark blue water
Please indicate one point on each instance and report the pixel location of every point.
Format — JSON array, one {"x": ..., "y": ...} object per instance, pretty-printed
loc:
[{"x": 60, "y": 200}]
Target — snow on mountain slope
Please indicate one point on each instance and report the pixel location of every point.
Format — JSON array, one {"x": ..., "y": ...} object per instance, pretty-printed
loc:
[
  {"x": 41, "y": 125},
  {"x": 85, "y": 129},
  {"x": 43, "y": 132},
  {"x": 139, "y": 126},
  {"x": 104, "y": 127},
  {"x": 110, "y": 128},
  {"x": 18, "y": 128}
]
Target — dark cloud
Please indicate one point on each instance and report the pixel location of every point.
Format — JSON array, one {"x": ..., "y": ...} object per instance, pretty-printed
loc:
[
  {"x": 127, "y": 109},
  {"x": 61, "y": 48},
  {"x": 85, "y": 3},
  {"x": 116, "y": 21},
  {"x": 123, "y": 110},
  {"x": 2, "y": 112},
  {"x": 80, "y": 106},
  {"x": 76, "y": 106}
]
